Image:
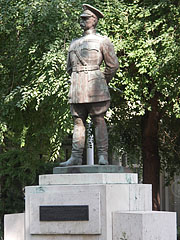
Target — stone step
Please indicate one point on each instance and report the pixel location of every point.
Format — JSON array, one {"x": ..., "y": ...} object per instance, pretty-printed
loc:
[
  {"x": 144, "y": 225},
  {"x": 86, "y": 178}
]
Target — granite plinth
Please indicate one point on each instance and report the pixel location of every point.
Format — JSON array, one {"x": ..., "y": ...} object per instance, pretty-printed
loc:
[
  {"x": 86, "y": 178},
  {"x": 144, "y": 225},
  {"x": 102, "y": 201},
  {"x": 14, "y": 226},
  {"x": 90, "y": 169}
]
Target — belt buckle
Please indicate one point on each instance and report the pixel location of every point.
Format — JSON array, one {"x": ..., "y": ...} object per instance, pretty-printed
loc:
[{"x": 85, "y": 69}]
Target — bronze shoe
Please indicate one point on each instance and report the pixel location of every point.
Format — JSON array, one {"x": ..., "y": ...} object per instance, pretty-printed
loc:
[
  {"x": 103, "y": 160},
  {"x": 71, "y": 161}
]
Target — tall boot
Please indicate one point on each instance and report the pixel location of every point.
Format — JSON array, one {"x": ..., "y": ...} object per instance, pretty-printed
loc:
[
  {"x": 78, "y": 142},
  {"x": 73, "y": 160},
  {"x": 101, "y": 136}
]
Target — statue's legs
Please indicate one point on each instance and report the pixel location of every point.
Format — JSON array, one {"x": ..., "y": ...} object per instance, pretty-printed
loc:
[
  {"x": 79, "y": 115},
  {"x": 78, "y": 138},
  {"x": 101, "y": 136},
  {"x": 97, "y": 111}
]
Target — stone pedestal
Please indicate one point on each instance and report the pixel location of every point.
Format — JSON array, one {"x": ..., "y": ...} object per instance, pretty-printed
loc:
[
  {"x": 91, "y": 206},
  {"x": 101, "y": 193},
  {"x": 144, "y": 225},
  {"x": 14, "y": 226}
]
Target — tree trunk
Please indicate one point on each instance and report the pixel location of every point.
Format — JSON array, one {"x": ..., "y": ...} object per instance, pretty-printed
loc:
[{"x": 150, "y": 154}]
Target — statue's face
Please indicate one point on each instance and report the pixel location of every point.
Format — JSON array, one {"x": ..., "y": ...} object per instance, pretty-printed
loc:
[{"x": 87, "y": 23}]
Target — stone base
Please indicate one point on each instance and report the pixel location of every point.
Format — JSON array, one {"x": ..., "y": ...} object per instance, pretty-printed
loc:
[
  {"x": 90, "y": 206},
  {"x": 100, "y": 193},
  {"x": 86, "y": 179},
  {"x": 131, "y": 225},
  {"x": 91, "y": 169},
  {"x": 14, "y": 226},
  {"x": 150, "y": 225}
]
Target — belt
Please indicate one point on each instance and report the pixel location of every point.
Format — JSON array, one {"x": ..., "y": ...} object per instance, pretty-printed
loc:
[{"x": 85, "y": 68}]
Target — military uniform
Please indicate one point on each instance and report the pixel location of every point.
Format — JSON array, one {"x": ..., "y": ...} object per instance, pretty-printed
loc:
[
  {"x": 88, "y": 82},
  {"x": 89, "y": 94}
]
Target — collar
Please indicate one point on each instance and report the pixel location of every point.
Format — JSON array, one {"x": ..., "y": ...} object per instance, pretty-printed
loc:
[{"x": 90, "y": 31}]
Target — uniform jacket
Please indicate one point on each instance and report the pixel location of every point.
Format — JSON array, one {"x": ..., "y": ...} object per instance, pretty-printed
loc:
[{"x": 85, "y": 55}]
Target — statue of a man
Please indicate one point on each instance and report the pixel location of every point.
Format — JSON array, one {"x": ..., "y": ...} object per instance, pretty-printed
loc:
[{"x": 89, "y": 94}]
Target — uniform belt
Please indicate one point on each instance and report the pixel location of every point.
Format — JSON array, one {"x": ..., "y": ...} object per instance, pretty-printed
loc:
[{"x": 85, "y": 68}]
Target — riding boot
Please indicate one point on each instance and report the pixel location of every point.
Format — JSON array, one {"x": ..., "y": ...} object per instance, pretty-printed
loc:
[
  {"x": 101, "y": 136},
  {"x": 73, "y": 160},
  {"x": 78, "y": 142},
  {"x": 103, "y": 159}
]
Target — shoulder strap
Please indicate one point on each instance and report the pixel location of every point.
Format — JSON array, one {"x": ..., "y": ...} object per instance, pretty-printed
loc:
[{"x": 81, "y": 59}]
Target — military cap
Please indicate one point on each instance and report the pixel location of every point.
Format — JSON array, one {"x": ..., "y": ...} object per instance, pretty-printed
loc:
[{"x": 90, "y": 11}]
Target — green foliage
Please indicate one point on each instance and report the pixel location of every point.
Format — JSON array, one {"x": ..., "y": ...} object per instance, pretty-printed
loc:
[
  {"x": 170, "y": 146},
  {"x": 33, "y": 62},
  {"x": 146, "y": 38},
  {"x": 19, "y": 168},
  {"x": 34, "y": 39},
  {"x": 178, "y": 232}
]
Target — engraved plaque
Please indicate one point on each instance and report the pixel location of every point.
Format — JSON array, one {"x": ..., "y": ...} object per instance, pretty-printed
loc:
[
  {"x": 77, "y": 211},
  {"x": 64, "y": 213}
]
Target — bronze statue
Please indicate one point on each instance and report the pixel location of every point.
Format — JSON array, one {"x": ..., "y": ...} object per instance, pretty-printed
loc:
[{"x": 89, "y": 94}]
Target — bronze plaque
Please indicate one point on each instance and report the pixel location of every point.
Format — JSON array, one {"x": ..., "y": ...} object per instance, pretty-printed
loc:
[{"x": 64, "y": 213}]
